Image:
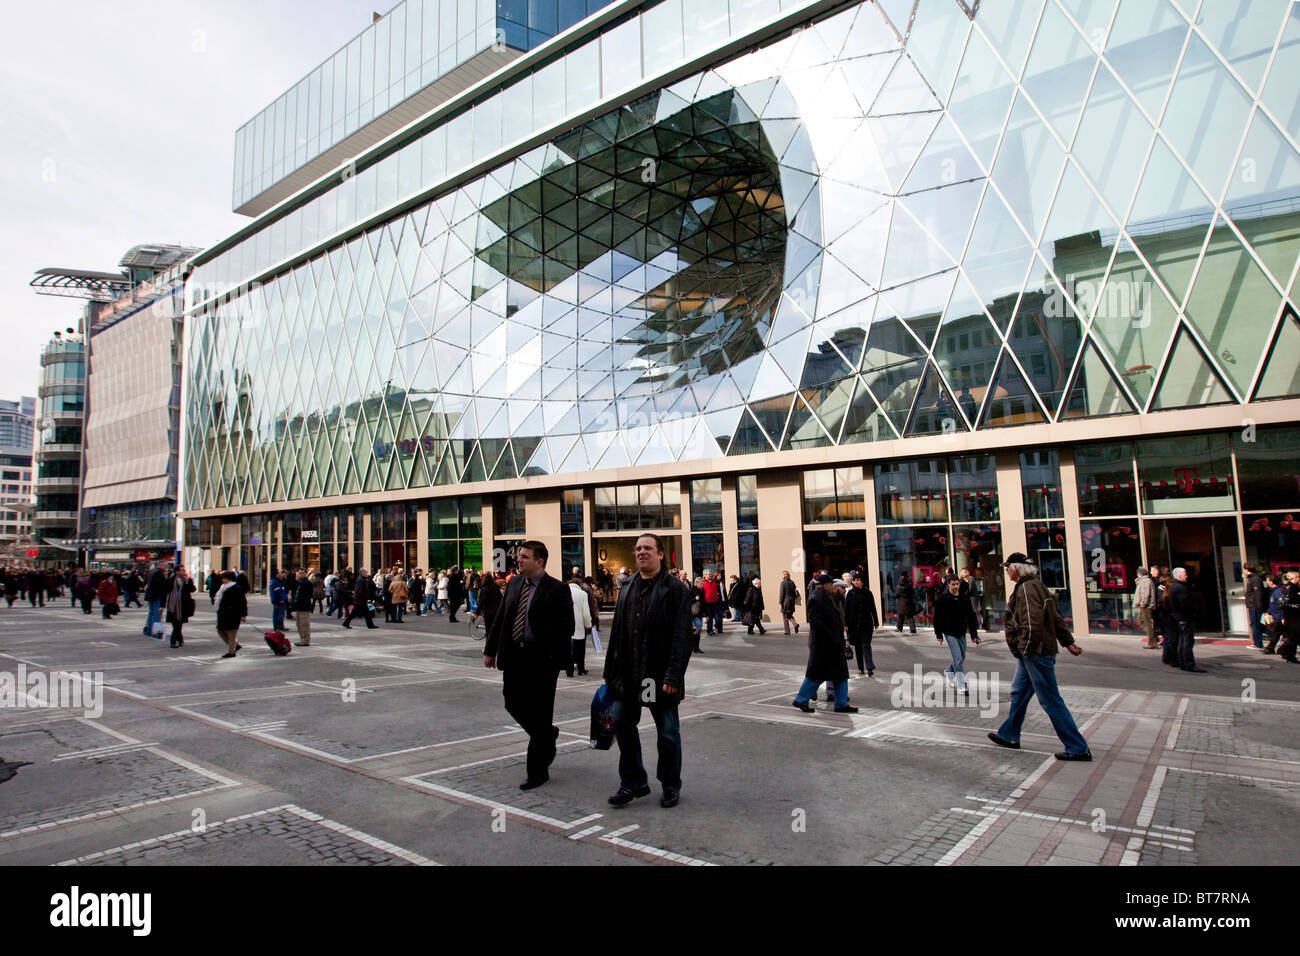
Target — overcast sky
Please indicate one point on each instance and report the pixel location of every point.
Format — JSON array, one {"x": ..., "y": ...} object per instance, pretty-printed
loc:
[{"x": 117, "y": 124}]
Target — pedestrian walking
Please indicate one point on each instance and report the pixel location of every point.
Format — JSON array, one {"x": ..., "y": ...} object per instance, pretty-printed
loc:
[
  {"x": 736, "y": 592},
  {"x": 530, "y": 643},
  {"x": 180, "y": 603},
  {"x": 826, "y": 646},
  {"x": 714, "y": 604},
  {"x": 279, "y": 595},
  {"x": 455, "y": 593},
  {"x": 1290, "y": 618},
  {"x": 232, "y": 610},
  {"x": 905, "y": 596},
  {"x": 363, "y": 603},
  {"x": 582, "y": 623},
  {"x": 645, "y": 667},
  {"x": 1035, "y": 633},
  {"x": 754, "y": 607},
  {"x": 953, "y": 620},
  {"x": 107, "y": 594},
  {"x": 398, "y": 595},
  {"x": 860, "y": 622},
  {"x": 1273, "y": 617},
  {"x": 1256, "y": 604},
  {"x": 788, "y": 597},
  {"x": 1144, "y": 599},
  {"x": 156, "y": 589},
  {"x": 489, "y": 599},
  {"x": 304, "y": 599}
]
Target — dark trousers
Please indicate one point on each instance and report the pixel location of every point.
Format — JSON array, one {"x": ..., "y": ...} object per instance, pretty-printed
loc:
[
  {"x": 528, "y": 686},
  {"x": 714, "y": 613},
  {"x": 452, "y": 607},
  {"x": 862, "y": 648},
  {"x": 1169, "y": 627},
  {"x": 1291, "y": 637},
  {"x": 34, "y": 596},
  {"x": 631, "y": 771},
  {"x": 911, "y": 619},
  {"x": 362, "y": 609},
  {"x": 578, "y": 661},
  {"x": 1186, "y": 645},
  {"x": 132, "y": 596}
]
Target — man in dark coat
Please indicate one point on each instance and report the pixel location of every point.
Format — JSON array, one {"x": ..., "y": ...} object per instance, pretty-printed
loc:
[
  {"x": 530, "y": 644},
  {"x": 1183, "y": 607},
  {"x": 362, "y": 597},
  {"x": 788, "y": 596},
  {"x": 649, "y": 648},
  {"x": 156, "y": 589},
  {"x": 232, "y": 611},
  {"x": 825, "y": 650},
  {"x": 1256, "y": 604},
  {"x": 36, "y": 587},
  {"x": 860, "y": 622},
  {"x": 455, "y": 592}
]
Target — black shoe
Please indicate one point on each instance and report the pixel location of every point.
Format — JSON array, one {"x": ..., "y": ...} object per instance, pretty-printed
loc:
[
  {"x": 240, "y": 647},
  {"x": 670, "y": 798},
  {"x": 568, "y": 674},
  {"x": 1003, "y": 742},
  {"x": 532, "y": 783},
  {"x": 807, "y": 708},
  {"x": 1066, "y": 755},
  {"x": 228, "y": 654},
  {"x": 347, "y": 625},
  {"x": 846, "y": 710},
  {"x": 796, "y": 628},
  {"x": 626, "y": 796},
  {"x": 372, "y": 627},
  {"x": 871, "y": 672},
  {"x": 174, "y": 644},
  {"x": 1194, "y": 670}
]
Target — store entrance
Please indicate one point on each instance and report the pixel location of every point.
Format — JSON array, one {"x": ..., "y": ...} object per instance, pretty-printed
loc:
[
  {"x": 1207, "y": 548},
  {"x": 836, "y": 551},
  {"x": 615, "y": 553}
]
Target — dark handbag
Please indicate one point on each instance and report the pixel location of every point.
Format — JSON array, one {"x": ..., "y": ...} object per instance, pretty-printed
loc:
[
  {"x": 747, "y": 619},
  {"x": 848, "y": 652},
  {"x": 602, "y": 718},
  {"x": 696, "y": 610}
]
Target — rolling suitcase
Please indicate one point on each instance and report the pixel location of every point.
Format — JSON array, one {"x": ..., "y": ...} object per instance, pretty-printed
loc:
[{"x": 278, "y": 643}]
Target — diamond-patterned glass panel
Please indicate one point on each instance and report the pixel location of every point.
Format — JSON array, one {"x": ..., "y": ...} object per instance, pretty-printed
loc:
[{"x": 1021, "y": 211}]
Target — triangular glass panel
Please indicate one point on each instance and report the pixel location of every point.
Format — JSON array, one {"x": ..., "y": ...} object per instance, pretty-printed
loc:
[
  {"x": 1028, "y": 167},
  {"x": 1243, "y": 35},
  {"x": 1282, "y": 88},
  {"x": 1059, "y": 70},
  {"x": 912, "y": 252},
  {"x": 1133, "y": 319},
  {"x": 1079, "y": 231},
  {"x": 981, "y": 98},
  {"x": 1144, "y": 44},
  {"x": 1188, "y": 380},
  {"x": 869, "y": 34},
  {"x": 749, "y": 437},
  {"x": 906, "y": 90},
  {"x": 894, "y": 387},
  {"x": 863, "y": 420},
  {"x": 1205, "y": 90},
  {"x": 998, "y": 258},
  {"x": 947, "y": 213},
  {"x": 804, "y": 430},
  {"x": 935, "y": 412},
  {"x": 1267, "y": 176},
  {"x": 1232, "y": 305},
  {"x": 1010, "y": 27},
  {"x": 1046, "y": 335},
  {"x": 772, "y": 414},
  {"x": 1281, "y": 378},
  {"x": 900, "y": 140},
  {"x": 1009, "y": 400},
  {"x": 921, "y": 303},
  {"x": 937, "y": 40}
]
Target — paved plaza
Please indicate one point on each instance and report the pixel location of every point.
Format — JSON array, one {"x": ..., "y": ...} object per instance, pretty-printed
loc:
[{"x": 392, "y": 747}]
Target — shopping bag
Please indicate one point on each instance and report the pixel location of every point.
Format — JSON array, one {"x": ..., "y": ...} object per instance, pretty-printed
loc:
[
  {"x": 602, "y": 719},
  {"x": 595, "y": 640}
]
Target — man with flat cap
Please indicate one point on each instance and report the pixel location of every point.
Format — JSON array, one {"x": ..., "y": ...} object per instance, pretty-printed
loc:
[{"x": 1035, "y": 633}]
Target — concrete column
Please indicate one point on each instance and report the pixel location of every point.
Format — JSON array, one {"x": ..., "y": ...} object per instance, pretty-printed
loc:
[
  {"x": 588, "y": 551},
  {"x": 875, "y": 579},
  {"x": 542, "y": 523},
  {"x": 421, "y": 536},
  {"x": 1075, "y": 569},
  {"x": 489, "y": 541},
  {"x": 780, "y": 542},
  {"x": 366, "y": 531},
  {"x": 730, "y": 519},
  {"x": 688, "y": 558}
]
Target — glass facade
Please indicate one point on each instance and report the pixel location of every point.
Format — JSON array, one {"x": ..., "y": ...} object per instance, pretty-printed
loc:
[{"x": 915, "y": 223}]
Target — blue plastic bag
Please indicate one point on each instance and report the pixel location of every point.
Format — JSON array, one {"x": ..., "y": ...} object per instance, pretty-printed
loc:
[{"x": 602, "y": 719}]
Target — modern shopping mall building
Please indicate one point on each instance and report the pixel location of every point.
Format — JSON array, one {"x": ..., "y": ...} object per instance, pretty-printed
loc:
[{"x": 893, "y": 285}]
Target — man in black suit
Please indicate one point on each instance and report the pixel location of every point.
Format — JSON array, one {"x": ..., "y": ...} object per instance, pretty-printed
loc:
[{"x": 529, "y": 642}]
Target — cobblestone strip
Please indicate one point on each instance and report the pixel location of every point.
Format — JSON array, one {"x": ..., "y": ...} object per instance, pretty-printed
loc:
[{"x": 324, "y": 840}]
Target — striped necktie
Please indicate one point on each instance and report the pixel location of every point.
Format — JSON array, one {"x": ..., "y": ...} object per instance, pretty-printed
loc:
[{"x": 521, "y": 613}]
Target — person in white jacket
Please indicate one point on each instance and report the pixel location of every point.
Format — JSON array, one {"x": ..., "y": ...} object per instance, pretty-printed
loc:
[{"x": 582, "y": 624}]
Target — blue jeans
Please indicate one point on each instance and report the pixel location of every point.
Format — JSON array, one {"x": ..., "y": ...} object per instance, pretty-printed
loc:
[
  {"x": 154, "y": 616},
  {"x": 431, "y": 602},
  {"x": 277, "y": 617},
  {"x": 631, "y": 771},
  {"x": 808, "y": 691},
  {"x": 1256, "y": 626},
  {"x": 716, "y": 612},
  {"x": 1036, "y": 674},
  {"x": 957, "y": 648},
  {"x": 473, "y": 600}
]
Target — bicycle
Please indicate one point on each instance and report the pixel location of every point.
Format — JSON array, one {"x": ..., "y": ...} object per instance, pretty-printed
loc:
[{"x": 476, "y": 626}]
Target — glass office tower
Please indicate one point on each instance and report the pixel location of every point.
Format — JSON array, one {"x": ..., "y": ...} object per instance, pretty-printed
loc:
[{"x": 899, "y": 286}]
